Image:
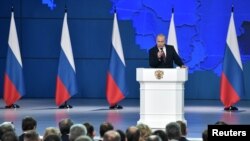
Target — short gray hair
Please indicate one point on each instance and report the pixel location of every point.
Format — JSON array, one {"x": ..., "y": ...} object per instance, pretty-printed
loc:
[{"x": 77, "y": 130}]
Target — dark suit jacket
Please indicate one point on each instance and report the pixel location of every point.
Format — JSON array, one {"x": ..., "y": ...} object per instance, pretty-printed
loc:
[
  {"x": 171, "y": 57},
  {"x": 21, "y": 137},
  {"x": 183, "y": 139},
  {"x": 65, "y": 137}
]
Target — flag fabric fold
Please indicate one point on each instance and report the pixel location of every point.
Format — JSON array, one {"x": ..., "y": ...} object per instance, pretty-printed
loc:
[
  {"x": 13, "y": 78},
  {"x": 172, "y": 40},
  {"x": 232, "y": 82},
  {"x": 66, "y": 85},
  {"x": 116, "y": 88}
]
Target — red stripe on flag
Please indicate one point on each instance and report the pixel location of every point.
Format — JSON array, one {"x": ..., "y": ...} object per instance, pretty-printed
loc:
[
  {"x": 228, "y": 95},
  {"x": 62, "y": 93},
  {"x": 114, "y": 94},
  {"x": 11, "y": 94}
]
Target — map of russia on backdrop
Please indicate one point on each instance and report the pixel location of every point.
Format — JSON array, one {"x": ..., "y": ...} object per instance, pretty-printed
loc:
[{"x": 201, "y": 27}]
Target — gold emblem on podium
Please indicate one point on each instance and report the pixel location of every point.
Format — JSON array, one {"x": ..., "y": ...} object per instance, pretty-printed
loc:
[{"x": 159, "y": 74}]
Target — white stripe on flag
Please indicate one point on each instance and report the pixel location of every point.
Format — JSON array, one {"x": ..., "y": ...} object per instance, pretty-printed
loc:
[
  {"x": 172, "y": 40},
  {"x": 13, "y": 40},
  {"x": 66, "y": 43},
  {"x": 116, "y": 40},
  {"x": 232, "y": 41}
]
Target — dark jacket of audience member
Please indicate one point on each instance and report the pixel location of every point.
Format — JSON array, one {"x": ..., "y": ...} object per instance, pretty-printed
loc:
[{"x": 122, "y": 135}]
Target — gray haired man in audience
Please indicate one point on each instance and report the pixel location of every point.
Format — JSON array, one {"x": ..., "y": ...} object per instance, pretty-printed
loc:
[{"x": 77, "y": 130}]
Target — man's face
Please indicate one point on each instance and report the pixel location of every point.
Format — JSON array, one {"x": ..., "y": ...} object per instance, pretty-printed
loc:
[{"x": 160, "y": 41}]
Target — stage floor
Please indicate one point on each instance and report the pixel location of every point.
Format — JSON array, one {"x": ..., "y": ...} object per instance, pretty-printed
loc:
[{"x": 198, "y": 113}]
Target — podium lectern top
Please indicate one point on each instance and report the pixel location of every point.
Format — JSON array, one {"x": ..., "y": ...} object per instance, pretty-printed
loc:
[{"x": 159, "y": 74}]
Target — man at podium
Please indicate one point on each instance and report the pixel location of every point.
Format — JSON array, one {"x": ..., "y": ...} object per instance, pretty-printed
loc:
[{"x": 162, "y": 55}]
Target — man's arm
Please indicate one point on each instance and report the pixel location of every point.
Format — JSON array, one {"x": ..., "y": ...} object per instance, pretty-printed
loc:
[{"x": 177, "y": 59}]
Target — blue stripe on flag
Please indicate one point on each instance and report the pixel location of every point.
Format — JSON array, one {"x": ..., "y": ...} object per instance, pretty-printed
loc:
[
  {"x": 231, "y": 69},
  {"x": 67, "y": 74},
  {"x": 15, "y": 72}
]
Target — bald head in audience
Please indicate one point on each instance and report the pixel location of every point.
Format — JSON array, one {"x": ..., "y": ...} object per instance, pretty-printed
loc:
[
  {"x": 111, "y": 135},
  {"x": 133, "y": 133},
  {"x": 153, "y": 138}
]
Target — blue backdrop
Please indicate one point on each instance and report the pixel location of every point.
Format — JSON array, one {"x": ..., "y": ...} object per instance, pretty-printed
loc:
[{"x": 201, "y": 32}]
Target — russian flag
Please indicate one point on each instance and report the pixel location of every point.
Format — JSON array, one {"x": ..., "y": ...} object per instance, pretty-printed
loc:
[
  {"x": 13, "y": 78},
  {"x": 116, "y": 89},
  {"x": 66, "y": 85},
  {"x": 172, "y": 40},
  {"x": 232, "y": 83}
]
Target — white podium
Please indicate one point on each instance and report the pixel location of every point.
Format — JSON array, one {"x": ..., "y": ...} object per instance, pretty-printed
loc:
[{"x": 161, "y": 96}]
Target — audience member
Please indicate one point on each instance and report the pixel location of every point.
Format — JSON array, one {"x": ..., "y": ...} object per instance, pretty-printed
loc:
[
  {"x": 28, "y": 123},
  {"x": 51, "y": 131},
  {"x": 52, "y": 137},
  {"x": 9, "y": 136},
  {"x": 153, "y": 138},
  {"x": 104, "y": 127},
  {"x": 122, "y": 135},
  {"x": 90, "y": 129},
  {"x": 6, "y": 127},
  {"x": 111, "y": 135},
  {"x": 31, "y": 135},
  {"x": 161, "y": 134},
  {"x": 145, "y": 131},
  {"x": 77, "y": 130},
  {"x": 83, "y": 138},
  {"x": 173, "y": 131},
  {"x": 133, "y": 133},
  {"x": 183, "y": 127},
  {"x": 205, "y": 135},
  {"x": 64, "y": 126}
]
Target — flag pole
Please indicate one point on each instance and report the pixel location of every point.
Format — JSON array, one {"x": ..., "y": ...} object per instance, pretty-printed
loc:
[
  {"x": 65, "y": 105},
  {"x": 116, "y": 105},
  {"x": 231, "y": 107}
]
